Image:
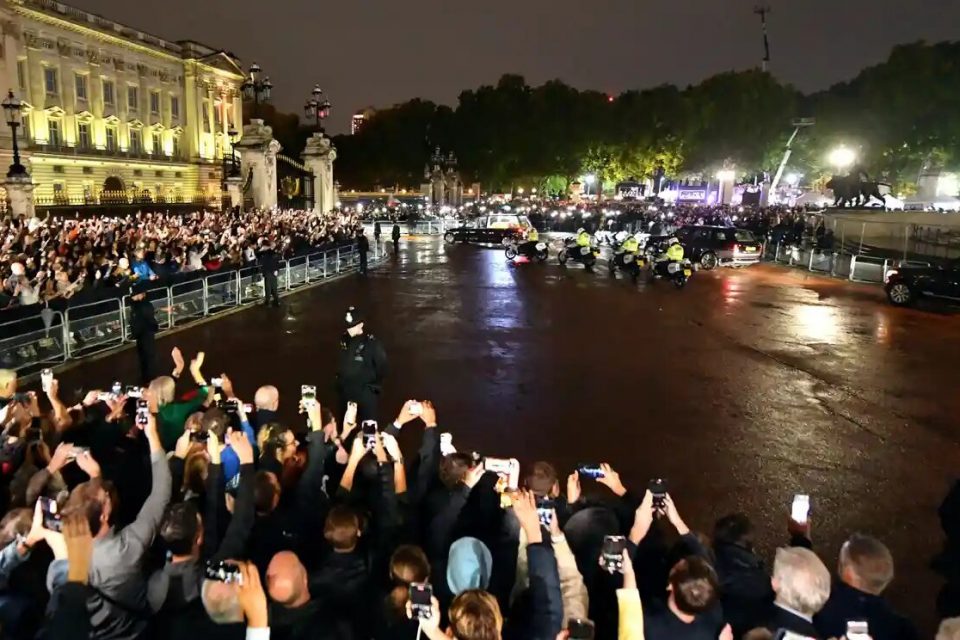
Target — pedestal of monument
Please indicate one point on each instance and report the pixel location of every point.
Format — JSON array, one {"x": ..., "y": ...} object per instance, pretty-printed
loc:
[{"x": 20, "y": 193}]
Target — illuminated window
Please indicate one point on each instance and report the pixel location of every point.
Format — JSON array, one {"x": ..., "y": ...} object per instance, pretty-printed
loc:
[
  {"x": 111, "y": 138},
  {"x": 175, "y": 152},
  {"x": 136, "y": 141},
  {"x": 108, "y": 92},
  {"x": 22, "y": 75},
  {"x": 50, "y": 81},
  {"x": 157, "y": 143},
  {"x": 53, "y": 133},
  {"x": 206, "y": 116},
  {"x": 83, "y": 135},
  {"x": 81, "y": 82}
]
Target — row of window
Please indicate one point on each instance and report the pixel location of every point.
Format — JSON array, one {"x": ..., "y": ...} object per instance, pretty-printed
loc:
[
  {"x": 85, "y": 140},
  {"x": 51, "y": 83}
]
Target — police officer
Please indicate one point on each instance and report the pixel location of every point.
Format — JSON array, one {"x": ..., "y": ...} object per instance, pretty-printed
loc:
[
  {"x": 269, "y": 265},
  {"x": 583, "y": 237},
  {"x": 363, "y": 247},
  {"x": 674, "y": 253},
  {"x": 395, "y": 235},
  {"x": 361, "y": 369},
  {"x": 143, "y": 328},
  {"x": 630, "y": 245}
]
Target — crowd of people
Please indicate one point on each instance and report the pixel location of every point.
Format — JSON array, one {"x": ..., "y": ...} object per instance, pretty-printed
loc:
[
  {"x": 53, "y": 259},
  {"x": 186, "y": 512}
]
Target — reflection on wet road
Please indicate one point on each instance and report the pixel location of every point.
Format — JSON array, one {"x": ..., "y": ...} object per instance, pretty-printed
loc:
[{"x": 742, "y": 389}]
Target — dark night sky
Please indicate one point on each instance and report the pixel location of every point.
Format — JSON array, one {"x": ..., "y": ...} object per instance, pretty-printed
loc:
[{"x": 379, "y": 52}]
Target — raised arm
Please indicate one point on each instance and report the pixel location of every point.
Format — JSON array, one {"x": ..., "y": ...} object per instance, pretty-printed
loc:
[
  {"x": 136, "y": 537},
  {"x": 235, "y": 539}
]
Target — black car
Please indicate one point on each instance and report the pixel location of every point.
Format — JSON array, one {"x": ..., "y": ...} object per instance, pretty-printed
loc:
[
  {"x": 498, "y": 228},
  {"x": 906, "y": 283},
  {"x": 713, "y": 247}
]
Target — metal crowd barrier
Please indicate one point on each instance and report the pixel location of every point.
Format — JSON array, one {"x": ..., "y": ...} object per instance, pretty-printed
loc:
[
  {"x": 54, "y": 337},
  {"x": 842, "y": 265}
]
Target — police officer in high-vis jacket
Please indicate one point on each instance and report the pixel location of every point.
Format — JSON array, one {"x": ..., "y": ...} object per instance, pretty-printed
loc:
[{"x": 361, "y": 369}]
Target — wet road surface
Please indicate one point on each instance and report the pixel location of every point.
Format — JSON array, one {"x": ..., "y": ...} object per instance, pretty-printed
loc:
[{"x": 743, "y": 389}]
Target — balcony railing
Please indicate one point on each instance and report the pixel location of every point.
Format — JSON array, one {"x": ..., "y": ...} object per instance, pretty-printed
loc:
[
  {"x": 132, "y": 197},
  {"x": 62, "y": 149}
]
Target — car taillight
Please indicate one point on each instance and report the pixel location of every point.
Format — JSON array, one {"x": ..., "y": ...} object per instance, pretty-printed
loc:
[{"x": 733, "y": 246}]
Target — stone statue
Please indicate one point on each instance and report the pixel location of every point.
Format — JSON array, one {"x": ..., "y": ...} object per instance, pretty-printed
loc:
[{"x": 854, "y": 191}]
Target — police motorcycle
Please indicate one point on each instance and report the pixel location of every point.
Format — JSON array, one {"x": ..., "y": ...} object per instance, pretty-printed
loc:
[
  {"x": 677, "y": 271},
  {"x": 585, "y": 255},
  {"x": 630, "y": 261},
  {"x": 529, "y": 249}
]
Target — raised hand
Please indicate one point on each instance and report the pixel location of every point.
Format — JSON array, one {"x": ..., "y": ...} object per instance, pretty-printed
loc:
[
  {"x": 674, "y": 516},
  {"x": 525, "y": 508},
  {"x": 429, "y": 414},
  {"x": 392, "y": 446},
  {"x": 87, "y": 463},
  {"x": 611, "y": 479},
  {"x": 573, "y": 488},
  {"x": 241, "y": 446}
]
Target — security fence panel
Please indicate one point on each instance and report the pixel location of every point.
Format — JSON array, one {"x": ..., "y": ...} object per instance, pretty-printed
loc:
[
  {"x": 221, "y": 291},
  {"x": 32, "y": 343},
  {"x": 296, "y": 272},
  {"x": 94, "y": 327},
  {"x": 868, "y": 269},
  {"x": 187, "y": 302},
  {"x": 820, "y": 261},
  {"x": 251, "y": 285},
  {"x": 317, "y": 266}
]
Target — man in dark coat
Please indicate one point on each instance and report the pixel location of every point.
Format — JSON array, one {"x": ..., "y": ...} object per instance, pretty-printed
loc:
[
  {"x": 396, "y": 237},
  {"x": 363, "y": 247},
  {"x": 269, "y": 266},
  {"x": 865, "y": 571},
  {"x": 143, "y": 328},
  {"x": 361, "y": 368}
]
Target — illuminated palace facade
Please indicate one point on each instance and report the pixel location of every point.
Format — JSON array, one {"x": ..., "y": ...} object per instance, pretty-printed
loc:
[{"x": 112, "y": 114}]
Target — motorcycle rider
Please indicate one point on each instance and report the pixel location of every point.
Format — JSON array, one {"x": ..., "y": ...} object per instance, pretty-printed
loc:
[
  {"x": 630, "y": 244},
  {"x": 583, "y": 237},
  {"x": 674, "y": 253},
  {"x": 529, "y": 246}
]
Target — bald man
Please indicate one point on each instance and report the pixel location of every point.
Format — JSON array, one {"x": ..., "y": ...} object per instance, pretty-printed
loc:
[
  {"x": 287, "y": 580},
  {"x": 267, "y": 401}
]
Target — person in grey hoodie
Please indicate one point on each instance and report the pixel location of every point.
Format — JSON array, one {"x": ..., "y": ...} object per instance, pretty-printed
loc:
[{"x": 118, "y": 601}]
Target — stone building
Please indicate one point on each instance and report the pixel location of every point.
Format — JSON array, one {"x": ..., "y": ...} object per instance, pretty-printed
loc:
[{"x": 112, "y": 113}]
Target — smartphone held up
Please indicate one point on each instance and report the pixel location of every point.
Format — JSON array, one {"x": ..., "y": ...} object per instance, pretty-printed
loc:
[
  {"x": 800, "y": 509},
  {"x": 421, "y": 600}
]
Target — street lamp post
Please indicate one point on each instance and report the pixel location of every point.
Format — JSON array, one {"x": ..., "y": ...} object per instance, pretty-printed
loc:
[
  {"x": 256, "y": 89},
  {"x": 316, "y": 108},
  {"x": 233, "y": 135},
  {"x": 13, "y": 108}
]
